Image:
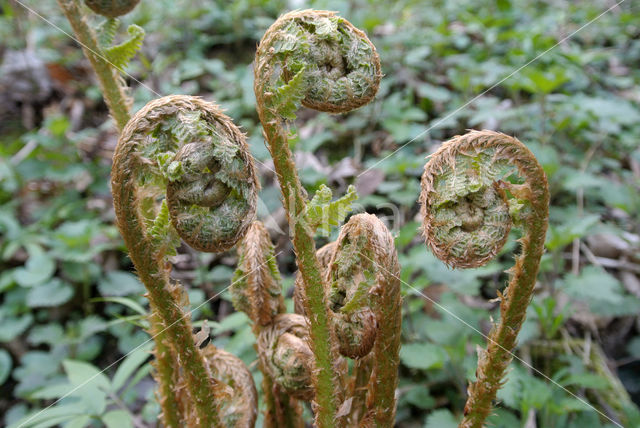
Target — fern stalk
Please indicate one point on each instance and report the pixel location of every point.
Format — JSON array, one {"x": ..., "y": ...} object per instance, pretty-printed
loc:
[
  {"x": 118, "y": 104},
  {"x": 108, "y": 77}
]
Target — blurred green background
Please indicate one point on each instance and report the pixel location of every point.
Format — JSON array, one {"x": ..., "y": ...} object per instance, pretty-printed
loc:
[{"x": 70, "y": 305}]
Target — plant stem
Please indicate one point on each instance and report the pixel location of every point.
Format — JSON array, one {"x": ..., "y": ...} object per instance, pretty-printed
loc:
[
  {"x": 322, "y": 342},
  {"x": 118, "y": 105},
  {"x": 153, "y": 271},
  {"x": 108, "y": 77},
  {"x": 165, "y": 361}
]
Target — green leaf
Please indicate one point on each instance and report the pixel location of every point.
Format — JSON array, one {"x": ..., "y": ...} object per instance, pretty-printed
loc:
[
  {"x": 422, "y": 356},
  {"x": 53, "y": 293},
  {"x": 321, "y": 213},
  {"x": 130, "y": 364},
  {"x": 13, "y": 327},
  {"x": 54, "y": 391},
  {"x": 79, "y": 422},
  {"x": 66, "y": 411},
  {"x": 5, "y": 366},
  {"x": 107, "y": 31},
  {"x": 120, "y": 283},
  {"x": 232, "y": 322},
  {"x": 84, "y": 374},
  {"x": 49, "y": 334},
  {"x": 117, "y": 419},
  {"x": 121, "y": 54},
  {"x": 441, "y": 418},
  {"x": 287, "y": 99},
  {"x": 39, "y": 268},
  {"x": 125, "y": 301},
  {"x": 419, "y": 396},
  {"x": 634, "y": 347},
  {"x": 594, "y": 284}
]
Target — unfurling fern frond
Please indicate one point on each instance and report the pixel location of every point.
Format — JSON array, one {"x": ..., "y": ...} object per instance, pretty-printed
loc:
[
  {"x": 107, "y": 31},
  {"x": 121, "y": 54},
  {"x": 322, "y": 213}
]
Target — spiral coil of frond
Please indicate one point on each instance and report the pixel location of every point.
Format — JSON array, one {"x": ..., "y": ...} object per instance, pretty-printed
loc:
[
  {"x": 468, "y": 210},
  {"x": 286, "y": 355},
  {"x": 329, "y": 64},
  {"x": 192, "y": 148}
]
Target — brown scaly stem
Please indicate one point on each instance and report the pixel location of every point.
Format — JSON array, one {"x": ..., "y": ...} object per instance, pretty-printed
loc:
[
  {"x": 194, "y": 150},
  {"x": 290, "y": 69},
  {"x": 118, "y": 105},
  {"x": 165, "y": 374},
  {"x": 467, "y": 216},
  {"x": 108, "y": 77}
]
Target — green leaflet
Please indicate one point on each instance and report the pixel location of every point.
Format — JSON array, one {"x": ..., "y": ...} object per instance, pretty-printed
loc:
[
  {"x": 286, "y": 99},
  {"x": 120, "y": 55},
  {"x": 322, "y": 213},
  {"x": 107, "y": 31}
]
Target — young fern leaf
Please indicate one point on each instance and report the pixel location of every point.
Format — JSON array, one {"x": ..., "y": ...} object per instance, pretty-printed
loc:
[
  {"x": 162, "y": 233},
  {"x": 468, "y": 211},
  {"x": 121, "y": 54},
  {"x": 287, "y": 99},
  {"x": 322, "y": 213},
  {"x": 207, "y": 214},
  {"x": 107, "y": 32}
]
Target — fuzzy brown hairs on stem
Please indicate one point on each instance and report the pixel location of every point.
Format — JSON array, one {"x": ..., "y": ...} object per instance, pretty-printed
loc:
[
  {"x": 256, "y": 290},
  {"x": 468, "y": 211}
]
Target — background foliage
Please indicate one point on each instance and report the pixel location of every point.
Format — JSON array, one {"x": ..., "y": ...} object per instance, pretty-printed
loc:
[{"x": 70, "y": 305}]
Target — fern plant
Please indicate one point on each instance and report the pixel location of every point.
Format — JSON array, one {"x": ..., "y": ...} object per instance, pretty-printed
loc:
[{"x": 182, "y": 172}]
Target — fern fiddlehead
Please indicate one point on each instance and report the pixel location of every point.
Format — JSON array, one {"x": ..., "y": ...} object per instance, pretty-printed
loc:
[
  {"x": 320, "y": 60},
  {"x": 257, "y": 291},
  {"x": 468, "y": 211},
  {"x": 154, "y": 153},
  {"x": 364, "y": 291},
  {"x": 238, "y": 398}
]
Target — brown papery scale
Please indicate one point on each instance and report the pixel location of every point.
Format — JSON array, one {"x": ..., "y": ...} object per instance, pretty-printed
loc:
[
  {"x": 111, "y": 8},
  {"x": 469, "y": 206},
  {"x": 255, "y": 287}
]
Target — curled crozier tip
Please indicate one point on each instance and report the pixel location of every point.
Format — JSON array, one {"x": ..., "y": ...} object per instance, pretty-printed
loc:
[
  {"x": 284, "y": 349},
  {"x": 239, "y": 405},
  {"x": 340, "y": 65},
  {"x": 111, "y": 8},
  {"x": 466, "y": 212},
  {"x": 256, "y": 289},
  {"x": 358, "y": 274},
  {"x": 187, "y": 148}
]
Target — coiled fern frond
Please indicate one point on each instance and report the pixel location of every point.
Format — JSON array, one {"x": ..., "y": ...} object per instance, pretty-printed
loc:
[{"x": 468, "y": 210}]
